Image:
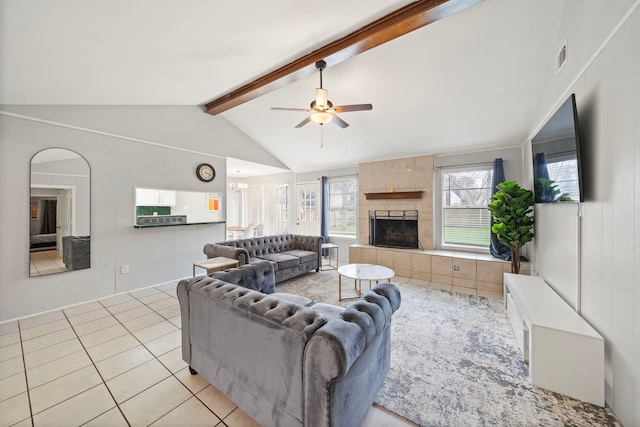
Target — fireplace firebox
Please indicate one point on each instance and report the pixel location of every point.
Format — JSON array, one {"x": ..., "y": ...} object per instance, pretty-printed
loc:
[{"x": 393, "y": 228}]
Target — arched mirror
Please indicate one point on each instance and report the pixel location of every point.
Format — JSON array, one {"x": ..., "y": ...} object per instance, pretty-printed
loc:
[{"x": 59, "y": 212}]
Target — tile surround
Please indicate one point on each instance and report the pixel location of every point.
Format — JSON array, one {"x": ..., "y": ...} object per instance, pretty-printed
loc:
[
  {"x": 408, "y": 174},
  {"x": 463, "y": 272}
]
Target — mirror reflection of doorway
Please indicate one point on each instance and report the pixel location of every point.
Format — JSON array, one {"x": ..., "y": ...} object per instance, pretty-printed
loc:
[{"x": 59, "y": 213}]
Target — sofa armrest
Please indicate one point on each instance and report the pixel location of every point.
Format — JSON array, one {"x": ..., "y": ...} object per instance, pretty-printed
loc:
[
  {"x": 182, "y": 290},
  {"x": 359, "y": 323},
  {"x": 212, "y": 250},
  {"x": 310, "y": 243},
  {"x": 258, "y": 276},
  {"x": 336, "y": 347}
]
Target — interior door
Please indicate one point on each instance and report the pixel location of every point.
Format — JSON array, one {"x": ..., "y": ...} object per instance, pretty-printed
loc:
[
  {"x": 308, "y": 208},
  {"x": 63, "y": 217}
]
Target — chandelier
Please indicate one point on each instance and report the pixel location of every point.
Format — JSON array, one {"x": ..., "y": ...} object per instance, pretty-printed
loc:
[{"x": 238, "y": 186}]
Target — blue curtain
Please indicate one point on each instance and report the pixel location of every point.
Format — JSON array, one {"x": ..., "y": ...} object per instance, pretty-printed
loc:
[
  {"x": 324, "y": 215},
  {"x": 540, "y": 169},
  {"x": 498, "y": 249}
]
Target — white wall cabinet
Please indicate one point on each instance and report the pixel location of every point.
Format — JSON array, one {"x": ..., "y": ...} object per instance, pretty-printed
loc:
[{"x": 154, "y": 197}]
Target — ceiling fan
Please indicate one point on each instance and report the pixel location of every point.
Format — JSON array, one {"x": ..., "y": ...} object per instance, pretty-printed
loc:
[{"x": 322, "y": 110}]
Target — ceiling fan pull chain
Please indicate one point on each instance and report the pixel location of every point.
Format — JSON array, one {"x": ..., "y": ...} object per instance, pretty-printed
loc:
[{"x": 321, "y": 136}]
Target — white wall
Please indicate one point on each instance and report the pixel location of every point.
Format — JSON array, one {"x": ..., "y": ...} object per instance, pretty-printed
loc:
[
  {"x": 195, "y": 205},
  {"x": 557, "y": 248},
  {"x": 119, "y": 162},
  {"x": 607, "y": 86}
]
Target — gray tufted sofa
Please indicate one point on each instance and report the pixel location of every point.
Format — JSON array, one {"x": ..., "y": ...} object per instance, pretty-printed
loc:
[
  {"x": 291, "y": 254},
  {"x": 286, "y": 364}
]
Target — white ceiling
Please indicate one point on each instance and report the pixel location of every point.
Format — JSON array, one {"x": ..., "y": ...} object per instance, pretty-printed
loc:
[{"x": 469, "y": 81}]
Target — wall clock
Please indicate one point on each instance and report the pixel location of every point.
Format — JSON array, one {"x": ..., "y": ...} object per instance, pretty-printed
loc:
[{"x": 205, "y": 172}]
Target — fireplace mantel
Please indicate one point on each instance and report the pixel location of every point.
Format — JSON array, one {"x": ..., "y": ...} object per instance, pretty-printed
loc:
[{"x": 395, "y": 195}]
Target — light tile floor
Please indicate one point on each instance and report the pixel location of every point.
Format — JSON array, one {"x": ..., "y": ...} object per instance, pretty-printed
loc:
[
  {"x": 46, "y": 262},
  {"x": 115, "y": 361}
]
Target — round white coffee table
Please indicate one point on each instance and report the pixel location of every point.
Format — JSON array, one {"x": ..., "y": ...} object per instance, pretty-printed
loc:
[{"x": 360, "y": 272}]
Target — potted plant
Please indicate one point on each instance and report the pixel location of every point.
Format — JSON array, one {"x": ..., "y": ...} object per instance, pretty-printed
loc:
[{"x": 511, "y": 208}]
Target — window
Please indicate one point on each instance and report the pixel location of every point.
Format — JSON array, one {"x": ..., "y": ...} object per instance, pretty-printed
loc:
[
  {"x": 342, "y": 205},
  {"x": 466, "y": 192},
  {"x": 281, "y": 204},
  {"x": 564, "y": 171}
]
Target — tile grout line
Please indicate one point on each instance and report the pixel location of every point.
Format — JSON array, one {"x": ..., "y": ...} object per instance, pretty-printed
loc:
[
  {"x": 170, "y": 372},
  {"x": 173, "y": 374},
  {"x": 26, "y": 379},
  {"x": 99, "y": 374},
  {"x": 194, "y": 394},
  {"x": 77, "y": 336}
]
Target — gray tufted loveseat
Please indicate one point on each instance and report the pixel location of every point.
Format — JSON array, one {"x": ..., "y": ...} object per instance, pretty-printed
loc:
[
  {"x": 291, "y": 254},
  {"x": 287, "y": 364}
]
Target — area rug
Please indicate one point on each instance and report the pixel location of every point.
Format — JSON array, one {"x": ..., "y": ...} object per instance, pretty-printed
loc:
[{"x": 455, "y": 362}]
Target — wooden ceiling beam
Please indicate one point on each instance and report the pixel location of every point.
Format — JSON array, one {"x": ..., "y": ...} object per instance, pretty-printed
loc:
[{"x": 402, "y": 21}]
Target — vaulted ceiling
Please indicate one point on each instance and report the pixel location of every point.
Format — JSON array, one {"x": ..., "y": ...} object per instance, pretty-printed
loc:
[{"x": 466, "y": 82}]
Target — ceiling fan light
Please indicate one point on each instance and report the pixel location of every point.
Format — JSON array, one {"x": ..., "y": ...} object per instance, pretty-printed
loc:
[
  {"x": 321, "y": 117},
  {"x": 322, "y": 98}
]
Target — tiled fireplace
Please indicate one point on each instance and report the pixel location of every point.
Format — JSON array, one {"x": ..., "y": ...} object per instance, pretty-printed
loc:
[
  {"x": 412, "y": 174},
  {"x": 380, "y": 182},
  {"x": 394, "y": 229}
]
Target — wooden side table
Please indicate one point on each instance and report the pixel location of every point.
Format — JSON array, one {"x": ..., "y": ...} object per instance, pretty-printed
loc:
[
  {"x": 215, "y": 264},
  {"x": 330, "y": 266}
]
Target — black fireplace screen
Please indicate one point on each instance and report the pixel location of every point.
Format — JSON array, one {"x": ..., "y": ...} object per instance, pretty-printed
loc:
[{"x": 395, "y": 229}]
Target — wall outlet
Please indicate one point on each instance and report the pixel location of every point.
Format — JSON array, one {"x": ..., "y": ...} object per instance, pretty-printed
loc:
[{"x": 124, "y": 269}]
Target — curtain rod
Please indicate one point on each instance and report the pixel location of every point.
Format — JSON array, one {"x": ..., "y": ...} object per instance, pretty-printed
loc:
[
  {"x": 469, "y": 164},
  {"x": 339, "y": 176}
]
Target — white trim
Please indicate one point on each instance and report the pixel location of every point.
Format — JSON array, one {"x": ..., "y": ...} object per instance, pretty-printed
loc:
[
  {"x": 483, "y": 150},
  {"x": 60, "y": 174},
  {"x": 109, "y": 134}
]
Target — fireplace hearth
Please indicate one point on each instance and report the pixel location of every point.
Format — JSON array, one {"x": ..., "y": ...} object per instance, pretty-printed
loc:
[{"x": 394, "y": 228}]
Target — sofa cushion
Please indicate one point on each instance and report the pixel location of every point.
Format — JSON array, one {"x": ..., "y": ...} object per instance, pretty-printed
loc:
[
  {"x": 305, "y": 256},
  {"x": 254, "y": 260},
  {"x": 283, "y": 260}
]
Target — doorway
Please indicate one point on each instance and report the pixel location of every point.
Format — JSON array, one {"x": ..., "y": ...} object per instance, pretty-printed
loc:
[
  {"x": 51, "y": 213},
  {"x": 308, "y": 208}
]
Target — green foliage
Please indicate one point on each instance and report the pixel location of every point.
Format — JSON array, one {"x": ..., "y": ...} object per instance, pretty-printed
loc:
[
  {"x": 511, "y": 208},
  {"x": 546, "y": 190}
]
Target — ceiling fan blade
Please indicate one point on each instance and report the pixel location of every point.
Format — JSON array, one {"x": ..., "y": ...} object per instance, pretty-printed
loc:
[
  {"x": 338, "y": 121},
  {"x": 290, "y": 109},
  {"x": 304, "y": 122},
  {"x": 354, "y": 107}
]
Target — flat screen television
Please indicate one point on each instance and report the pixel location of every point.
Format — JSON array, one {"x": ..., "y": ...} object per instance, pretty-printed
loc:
[{"x": 556, "y": 157}]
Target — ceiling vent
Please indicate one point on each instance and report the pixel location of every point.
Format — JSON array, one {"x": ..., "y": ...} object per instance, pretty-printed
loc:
[{"x": 561, "y": 59}]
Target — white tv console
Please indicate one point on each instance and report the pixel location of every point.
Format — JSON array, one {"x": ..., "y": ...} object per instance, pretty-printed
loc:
[{"x": 565, "y": 353}]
